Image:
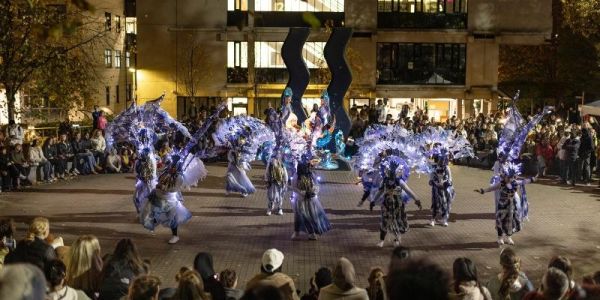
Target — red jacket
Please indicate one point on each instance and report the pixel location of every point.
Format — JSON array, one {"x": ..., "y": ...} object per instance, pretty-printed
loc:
[{"x": 546, "y": 151}]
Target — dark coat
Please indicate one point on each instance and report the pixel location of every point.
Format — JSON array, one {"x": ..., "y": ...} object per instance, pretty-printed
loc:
[
  {"x": 115, "y": 280},
  {"x": 37, "y": 252},
  {"x": 571, "y": 147}
]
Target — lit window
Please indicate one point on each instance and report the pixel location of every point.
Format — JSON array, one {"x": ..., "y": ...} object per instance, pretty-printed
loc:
[
  {"x": 237, "y": 54},
  {"x": 107, "y": 21},
  {"x": 237, "y": 5},
  {"x": 131, "y": 25},
  {"x": 127, "y": 59},
  {"x": 238, "y": 105},
  {"x": 118, "y": 24},
  {"x": 300, "y": 5},
  {"x": 117, "y": 58},
  {"x": 426, "y": 6},
  {"x": 107, "y": 58},
  {"x": 268, "y": 55}
]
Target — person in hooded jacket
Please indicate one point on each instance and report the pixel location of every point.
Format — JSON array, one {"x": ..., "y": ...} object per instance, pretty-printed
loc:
[
  {"x": 203, "y": 264},
  {"x": 343, "y": 286}
]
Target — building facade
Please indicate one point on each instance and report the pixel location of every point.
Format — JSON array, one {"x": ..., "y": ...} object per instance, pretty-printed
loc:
[{"x": 438, "y": 54}]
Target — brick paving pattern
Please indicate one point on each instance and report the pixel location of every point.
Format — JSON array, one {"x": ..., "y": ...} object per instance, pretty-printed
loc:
[{"x": 237, "y": 231}]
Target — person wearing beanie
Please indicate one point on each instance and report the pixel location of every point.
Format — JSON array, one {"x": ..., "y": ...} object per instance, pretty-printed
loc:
[
  {"x": 271, "y": 274},
  {"x": 203, "y": 264},
  {"x": 343, "y": 286}
]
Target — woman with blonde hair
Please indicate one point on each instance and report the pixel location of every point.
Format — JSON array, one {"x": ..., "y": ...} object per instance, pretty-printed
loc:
[
  {"x": 85, "y": 265},
  {"x": 34, "y": 249},
  {"x": 190, "y": 287},
  {"x": 511, "y": 283}
]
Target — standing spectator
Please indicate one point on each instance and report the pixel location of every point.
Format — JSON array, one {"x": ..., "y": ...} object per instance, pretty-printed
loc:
[
  {"x": 34, "y": 249},
  {"x": 271, "y": 274},
  {"x": 229, "y": 280},
  {"x": 466, "y": 284},
  {"x": 51, "y": 154},
  {"x": 203, "y": 264},
  {"x": 85, "y": 265},
  {"x": 145, "y": 287},
  {"x": 586, "y": 147},
  {"x": 190, "y": 287},
  {"x": 95, "y": 117},
  {"x": 40, "y": 162},
  {"x": 15, "y": 133},
  {"x": 381, "y": 111},
  {"x": 22, "y": 282},
  {"x": 121, "y": 268},
  {"x": 511, "y": 283},
  {"x": 65, "y": 152},
  {"x": 544, "y": 153},
  {"x": 56, "y": 273},
  {"x": 322, "y": 278},
  {"x": 571, "y": 147},
  {"x": 7, "y": 241},
  {"x": 561, "y": 155},
  {"x": 102, "y": 122},
  {"x": 343, "y": 286},
  {"x": 417, "y": 280}
]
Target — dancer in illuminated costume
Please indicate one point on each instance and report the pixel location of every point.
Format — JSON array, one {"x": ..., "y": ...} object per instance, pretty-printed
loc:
[
  {"x": 277, "y": 180},
  {"x": 509, "y": 217},
  {"x": 309, "y": 215},
  {"x": 159, "y": 200}
]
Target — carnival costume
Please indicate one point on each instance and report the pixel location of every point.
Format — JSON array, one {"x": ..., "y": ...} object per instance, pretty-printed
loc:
[{"x": 309, "y": 215}]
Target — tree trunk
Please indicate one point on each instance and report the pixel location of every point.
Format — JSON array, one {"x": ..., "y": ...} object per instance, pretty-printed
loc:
[{"x": 10, "y": 102}]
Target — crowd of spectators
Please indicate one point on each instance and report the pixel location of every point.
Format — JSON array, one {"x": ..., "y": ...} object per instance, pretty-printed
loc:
[{"x": 41, "y": 267}]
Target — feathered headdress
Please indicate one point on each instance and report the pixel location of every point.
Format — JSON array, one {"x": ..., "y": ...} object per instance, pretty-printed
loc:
[
  {"x": 511, "y": 169},
  {"x": 287, "y": 92},
  {"x": 325, "y": 96}
]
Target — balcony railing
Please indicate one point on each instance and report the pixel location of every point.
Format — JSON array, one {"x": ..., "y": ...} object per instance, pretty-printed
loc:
[
  {"x": 238, "y": 18},
  {"x": 237, "y": 75},
  {"x": 280, "y": 75},
  {"x": 421, "y": 20},
  {"x": 296, "y": 18},
  {"x": 425, "y": 76}
]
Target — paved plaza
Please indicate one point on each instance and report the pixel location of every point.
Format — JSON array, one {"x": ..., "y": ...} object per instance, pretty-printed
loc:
[{"x": 236, "y": 231}]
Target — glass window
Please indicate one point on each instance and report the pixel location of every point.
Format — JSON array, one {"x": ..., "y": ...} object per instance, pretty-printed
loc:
[
  {"x": 117, "y": 94},
  {"x": 299, "y": 5},
  {"x": 426, "y": 6},
  {"x": 131, "y": 25},
  {"x": 117, "y": 58},
  {"x": 238, "y": 105},
  {"x": 237, "y": 54},
  {"x": 107, "y": 21},
  {"x": 107, "y": 95},
  {"x": 127, "y": 59},
  {"x": 108, "y": 58},
  {"x": 237, "y": 5},
  {"x": 268, "y": 55},
  {"x": 118, "y": 24}
]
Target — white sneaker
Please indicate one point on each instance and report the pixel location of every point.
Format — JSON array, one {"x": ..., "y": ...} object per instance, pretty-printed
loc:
[
  {"x": 294, "y": 235},
  {"x": 280, "y": 212},
  {"x": 445, "y": 224},
  {"x": 174, "y": 239},
  {"x": 22, "y": 177},
  {"x": 380, "y": 244},
  {"x": 268, "y": 212},
  {"x": 432, "y": 223},
  {"x": 244, "y": 195},
  {"x": 500, "y": 241},
  {"x": 509, "y": 240}
]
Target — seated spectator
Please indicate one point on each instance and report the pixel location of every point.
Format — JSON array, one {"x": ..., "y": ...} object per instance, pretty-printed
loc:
[
  {"x": 229, "y": 281},
  {"x": 145, "y": 287},
  {"x": 168, "y": 293},
  {"x": 375, "y": 288},
  {"x": 56, "y": 272},
  {"x": 65, "y": 152},
  {"x": 203, "y": 264},
  {"x": 322, "y": 278},
  {"x": 40, "y": 162},
  {"x": 15, "y": 133},
  {"x": 113, "y": 161},
  {"x": 466, "y": 284},
  {"x": 564, "y": 264},
  {"x": 555, "y": 286},
  {"x": 98, "y": 146},
  {"x": 7, "y": 241},
  {"x": 121, "y": 268},
  {"x": 34, "y": 249},
  {"x": 511, "y": 283},
  {"x": 21, "y": 163},
  {"x": 593, "y": 279},
  {"x": 190, "y": 287},
  {"x": 127, "y": 160},
  {"x": 417, "y": 280},
  {"x": 343, "y": 286},
  {"x": 399, "y": 255},
  {"x": 50, "y": 152},
  {"x": 22, "y": 282},
  {"x": 8, "y": 172},
  {"x": 586, "y": 292},
  {"x": 84, "y": 158},
  {"x": 85, "y": 265},
  {"x": 271, "y": 274}
]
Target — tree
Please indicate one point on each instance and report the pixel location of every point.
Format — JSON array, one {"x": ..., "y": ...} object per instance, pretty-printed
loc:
[
  {"x": 192, "y": 68},
  {"x": 583, "y": 16},
  {"x": 38, "y": 37}
]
